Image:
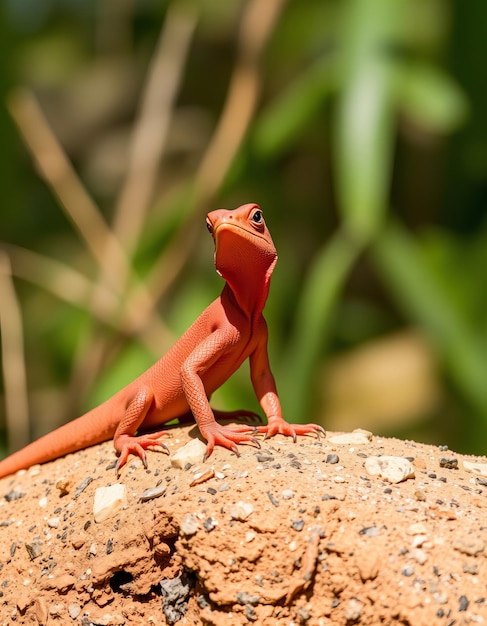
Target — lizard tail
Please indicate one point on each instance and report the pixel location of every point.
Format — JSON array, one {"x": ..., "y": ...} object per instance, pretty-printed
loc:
[{"x": 82, "y": 432}]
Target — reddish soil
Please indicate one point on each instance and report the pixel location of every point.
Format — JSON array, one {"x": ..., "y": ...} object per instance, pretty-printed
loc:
[{"x": 289, "y": 534}]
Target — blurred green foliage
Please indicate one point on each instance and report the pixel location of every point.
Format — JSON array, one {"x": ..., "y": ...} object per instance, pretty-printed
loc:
[{"x": 357, "y": 125}]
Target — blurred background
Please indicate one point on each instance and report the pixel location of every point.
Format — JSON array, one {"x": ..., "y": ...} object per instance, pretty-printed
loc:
[{"x": 359, "y": 126}]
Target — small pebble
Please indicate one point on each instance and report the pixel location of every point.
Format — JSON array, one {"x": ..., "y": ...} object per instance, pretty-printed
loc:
[
  {"x": 108, "y": 501},
  {"x": 202, "y": 601},
  {"x": 417, "y": 528},
  {"x": 241, "y": 510},
  {"x": 53, "y": 522},
  {"x": 471, "y": 568},
  {"x": 250, "y": 613},
  {"x": 191, "y": 453},
  {"x": 469, "y": 545},
  {"x": 74, "y": 610},
  {"x": 394, "y": 469},
  {"x": 79, "y": 490},
  {"x": 420, "y": 495},
  {"x": 264, "y": 458},
  {"x": 369, "y": 531},
  {"x": 152, "y": 493},
  {"x": 353, "y": 610},
  {"x": 440, "y": 597},
  {"x": 449, "y": 463},
  {"x": 209, "y": 524},
  {"x": 476, "y": 468},
  {"x": 297, "y": 524},
  {"x": 64, "y": 486},
  {"x": 273, "y": 498},
  {"x": 14, "y": 494},
  {"x": 246, "y": 598},
  {"x": 34, "y": 548},
  {"x": 189, "y": 525},
  {"x": 202, "y": 477},
  {"x": 419, "y": 556},
  {"x": 357, "y": 437},
  {"x": 56, "y": 610},
  {"x": 418, "y": 541}
]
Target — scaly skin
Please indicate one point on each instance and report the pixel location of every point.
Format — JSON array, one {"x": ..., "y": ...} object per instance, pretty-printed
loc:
[{"x": 229, "y": 331}]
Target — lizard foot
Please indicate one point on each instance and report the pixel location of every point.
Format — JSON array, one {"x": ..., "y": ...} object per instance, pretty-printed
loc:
[
  {"x": 137, "y": 446},
  {"x": 228, "y": 437},
  {"x": 279, "y": 426}
]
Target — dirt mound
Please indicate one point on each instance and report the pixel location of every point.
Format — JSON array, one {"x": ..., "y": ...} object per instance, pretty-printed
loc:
[{"x": 306, "y": 533}]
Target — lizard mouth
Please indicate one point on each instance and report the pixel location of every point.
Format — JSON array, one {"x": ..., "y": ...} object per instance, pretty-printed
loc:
[{"x": 233, "y": 226}]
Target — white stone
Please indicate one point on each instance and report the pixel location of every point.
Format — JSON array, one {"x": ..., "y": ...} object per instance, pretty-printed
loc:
[
  {"x": 241, "y": 510},
  {"x": 189, "y": 525},
  {"x": 476, "y": 468},
  {"x": 191, "y": 453},
  {"x": 74, "y": 610},
  {"x": 417, "y": 528},
  {"x": 357, "y": 437},
  {"x": 287, "y": 494},
  {"x": 108, "y": 501},
  {"x": 53, "y": 522},
  {"x": 419, "y": 555},
  {"x": 394, "y": 469}
]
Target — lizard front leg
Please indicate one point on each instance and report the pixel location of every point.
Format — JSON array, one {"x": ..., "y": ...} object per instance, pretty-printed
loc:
[
  {"x": 199, "y": 361},
  {"x": 266, "y": 392},
  {"x": 124, "y": 440}
]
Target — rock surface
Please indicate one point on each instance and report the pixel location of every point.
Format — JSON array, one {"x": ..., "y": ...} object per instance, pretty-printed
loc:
[{"x": 289, "y": 534}]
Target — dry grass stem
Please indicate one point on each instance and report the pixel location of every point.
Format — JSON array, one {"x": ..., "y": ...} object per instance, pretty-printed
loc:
[
  {"x": 57, "y": 170},
  {"x": 152, "y": 125},
  {"x": 146, "y": 151},
  {"x": 257, "y": 25},
  {"x": 14, "y": 370},
  {"x": 258, "y": 22}
]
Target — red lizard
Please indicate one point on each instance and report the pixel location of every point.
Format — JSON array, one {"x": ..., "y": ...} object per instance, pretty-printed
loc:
[{"x": 229, "y": 331}]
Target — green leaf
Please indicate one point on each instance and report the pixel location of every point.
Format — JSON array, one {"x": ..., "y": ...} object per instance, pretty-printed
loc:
[
  {"x": 285, "y": 119},
  {"x": 365, "y": 120},
  {"x": 430, "y": 98},
  {"x": 409, "y": 278},
  {"x": 322, "y": 288}
]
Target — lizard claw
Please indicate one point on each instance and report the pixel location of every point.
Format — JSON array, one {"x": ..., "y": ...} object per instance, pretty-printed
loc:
[
  {"x": 228, "y": 437},
  {"x": 277, "y": 425},
  {"x": 137, "y": 446},
  {"x": 320, "y": 431}
]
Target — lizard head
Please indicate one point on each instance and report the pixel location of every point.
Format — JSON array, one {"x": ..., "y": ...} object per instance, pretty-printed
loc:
[{"x": 244, "y": 250}]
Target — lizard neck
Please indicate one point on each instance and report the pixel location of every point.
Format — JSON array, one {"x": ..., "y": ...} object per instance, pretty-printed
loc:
[
  {"x": 245, "y": 256},
  {"x": 249, "y": 285}
]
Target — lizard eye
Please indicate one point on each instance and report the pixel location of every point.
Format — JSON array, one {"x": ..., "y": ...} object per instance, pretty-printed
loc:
[
  {"x": 209, "y": 226},
  {"x": 257, "y": 217}
]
